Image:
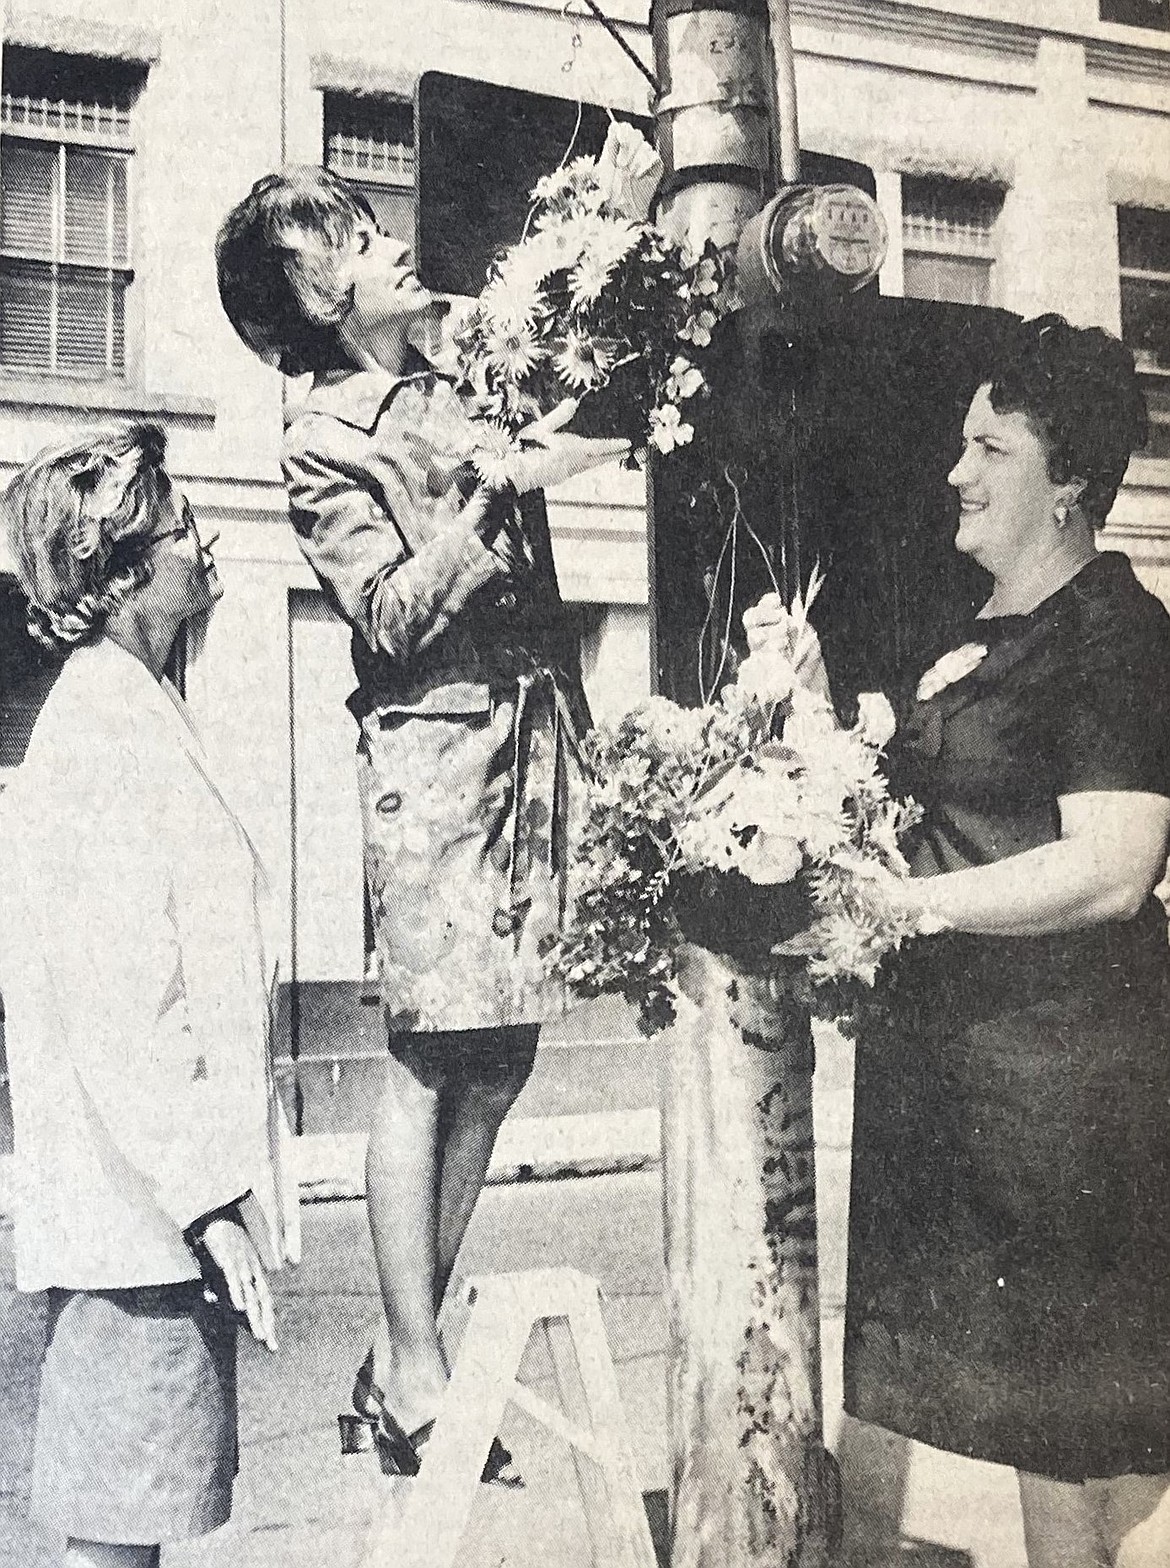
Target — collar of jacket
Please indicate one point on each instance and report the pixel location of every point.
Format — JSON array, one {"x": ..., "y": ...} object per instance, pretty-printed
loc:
[
  {"x": 120, "y": 678},
  {"x": 357, "y": 397}
]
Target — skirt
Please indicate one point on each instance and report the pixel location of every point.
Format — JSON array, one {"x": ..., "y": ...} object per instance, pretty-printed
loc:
[
  {"x": 136, "y": 1428},
  {"x": 466, "y": 798},
  {"x": 1009, "y": 1247}
]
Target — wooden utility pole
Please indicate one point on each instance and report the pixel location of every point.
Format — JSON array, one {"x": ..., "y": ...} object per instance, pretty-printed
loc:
[{"x": 749, "y": 1471}]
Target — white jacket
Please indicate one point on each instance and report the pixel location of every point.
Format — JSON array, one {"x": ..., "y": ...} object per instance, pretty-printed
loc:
[{"x": 136, "y": 991}]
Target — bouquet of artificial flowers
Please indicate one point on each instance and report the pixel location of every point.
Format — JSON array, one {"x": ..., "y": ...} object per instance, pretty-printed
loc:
[
  {"x": 594, "y": 303},
  {"x": 758, "y": 802}
]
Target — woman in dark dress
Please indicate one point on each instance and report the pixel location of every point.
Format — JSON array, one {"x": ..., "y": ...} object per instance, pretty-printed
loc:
[{"x": 1009, "y": 1262}]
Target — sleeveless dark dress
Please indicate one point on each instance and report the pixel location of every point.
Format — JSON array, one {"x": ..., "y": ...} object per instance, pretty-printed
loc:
[{"x": 1009, "y": 1247}]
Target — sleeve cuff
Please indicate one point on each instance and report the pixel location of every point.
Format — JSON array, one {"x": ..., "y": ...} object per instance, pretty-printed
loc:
[
  {"x": 193, "y": 1233},
  {"x": 477, "y": 565}
]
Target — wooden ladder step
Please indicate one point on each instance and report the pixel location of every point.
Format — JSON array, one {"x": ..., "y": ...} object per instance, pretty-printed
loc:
[{"x": 425, "y": 1520}]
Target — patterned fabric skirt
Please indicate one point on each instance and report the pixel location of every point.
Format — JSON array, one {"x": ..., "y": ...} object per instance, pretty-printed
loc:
[
  {"x": 466, "y": 796},
  {"x": 136, "y": 1427}
]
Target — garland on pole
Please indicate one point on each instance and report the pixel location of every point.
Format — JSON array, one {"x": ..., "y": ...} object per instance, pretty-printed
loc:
[{"x": 594, "y": 302}]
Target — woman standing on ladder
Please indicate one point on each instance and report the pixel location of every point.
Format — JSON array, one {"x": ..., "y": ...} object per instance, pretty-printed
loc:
[{"x": 468, "y": 702}]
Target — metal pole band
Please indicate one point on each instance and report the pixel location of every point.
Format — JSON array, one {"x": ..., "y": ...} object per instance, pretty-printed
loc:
[
  {"x": 665, "y": 8},
  {"x": 710, "y": 174}
]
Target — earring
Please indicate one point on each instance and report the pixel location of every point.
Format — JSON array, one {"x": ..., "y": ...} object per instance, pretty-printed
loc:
[{"x": 1060, "y": 513}]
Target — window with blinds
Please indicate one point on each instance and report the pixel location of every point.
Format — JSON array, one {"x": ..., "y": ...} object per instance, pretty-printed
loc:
[
  {"x": 948, "y": 239},
  {"x": 65, "y": 255},
  {"x": 1143, "y": 255},
  {"x": 370, "y": 142}
]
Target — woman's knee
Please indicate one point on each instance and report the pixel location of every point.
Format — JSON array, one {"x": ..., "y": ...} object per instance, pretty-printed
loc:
[
  {"x": 1061, "y": 1523},
  {"x": 1136, "y": 1520}
]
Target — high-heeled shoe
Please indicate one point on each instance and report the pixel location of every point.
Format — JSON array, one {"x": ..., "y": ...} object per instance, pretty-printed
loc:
[
  {"x": 361, "y": 1433},
  {"x": 374, "y": 1425}
]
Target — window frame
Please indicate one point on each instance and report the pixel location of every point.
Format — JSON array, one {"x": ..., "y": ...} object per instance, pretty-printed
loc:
[
  {"x": 372, "y": 180},
  {"x": 960, "y": 246},
  {"x": 1162, "y": 26},
  {"x": 1153, "y": 470},
  {"x": 114, "y": 139}
]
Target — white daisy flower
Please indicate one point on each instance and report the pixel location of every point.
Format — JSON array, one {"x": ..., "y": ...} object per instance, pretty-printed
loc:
[
  {"x": 589, "y": 279},
  {"x": 554, "y": 186},
  {"x": 613, "y": 239},
  {"x": 512, "y": 348},
  {"x": 584, "y": 362},
  {"x": 494, "y": 454},
  {"x": 495, "y": 469},
  {"x": 557, "y": 247},
  {"x": 513, "y": 295}
]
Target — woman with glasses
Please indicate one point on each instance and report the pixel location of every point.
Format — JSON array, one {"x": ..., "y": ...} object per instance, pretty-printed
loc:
[{"x": 136, "y": 989}]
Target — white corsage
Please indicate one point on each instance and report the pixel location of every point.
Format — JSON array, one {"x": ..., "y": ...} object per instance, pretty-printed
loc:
[
  {"x": 952, "y": 667},
  {"x": 876, "y": 722}
]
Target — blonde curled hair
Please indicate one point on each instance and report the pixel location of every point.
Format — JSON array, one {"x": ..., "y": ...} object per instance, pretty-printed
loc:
[{"x": 79, "y": 522}]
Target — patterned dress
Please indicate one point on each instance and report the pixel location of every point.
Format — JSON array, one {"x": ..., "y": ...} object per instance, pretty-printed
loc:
[{"x": 469, "y": 700}]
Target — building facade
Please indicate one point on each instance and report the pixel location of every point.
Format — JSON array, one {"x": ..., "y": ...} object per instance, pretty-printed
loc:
[{"x": 1022, "y": 153}]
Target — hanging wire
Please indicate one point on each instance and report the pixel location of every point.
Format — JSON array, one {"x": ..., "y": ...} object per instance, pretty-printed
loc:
[
  {"x": 752, "y": 534},
  {"x": 730, "y": 544},
  {"x": 575, "y": 43},
  {"x": 712, "y": 595},
  {"x": 630, "y": 53}
]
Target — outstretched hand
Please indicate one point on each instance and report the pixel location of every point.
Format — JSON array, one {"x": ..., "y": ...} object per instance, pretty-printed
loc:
[
  {"x": 551, "y": 454},
  {"x": 234, "y": 1254}
]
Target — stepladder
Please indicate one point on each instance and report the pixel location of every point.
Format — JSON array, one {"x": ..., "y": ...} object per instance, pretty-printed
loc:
[{"x": 424, "y": 1521}]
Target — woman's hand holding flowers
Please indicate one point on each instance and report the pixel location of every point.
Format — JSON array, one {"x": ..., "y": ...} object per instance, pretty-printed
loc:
[
  {"x": 908, "y": 904},
  {"x": 550, "y": 454},
  {"x": 783, "y": 648}
]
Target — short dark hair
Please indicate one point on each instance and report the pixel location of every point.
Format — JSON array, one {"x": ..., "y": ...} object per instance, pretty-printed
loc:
[
  {"x": 1079, "y": 390},
  {"x": 80, "y": 519},
  {"x": 284, "y": 301}
]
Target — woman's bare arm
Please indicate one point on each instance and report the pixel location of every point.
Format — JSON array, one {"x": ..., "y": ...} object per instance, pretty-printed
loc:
[{"x": 1111, "y": 853}]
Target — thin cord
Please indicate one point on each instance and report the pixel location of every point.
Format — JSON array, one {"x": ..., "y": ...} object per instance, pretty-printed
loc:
[
  {"x": 752, "y": 534},
  {"x": 706, "y": 626},
  {"x": 731, "y": 538},
  {"x": 575, "y": 43},
  {"x": 625, "y": 48},
  {"x": 573, "y": 138},
  {"x": 566, "y": 68}
]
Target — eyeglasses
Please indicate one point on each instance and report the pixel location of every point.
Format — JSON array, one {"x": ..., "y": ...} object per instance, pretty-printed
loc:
[{"x": 183, "y": 530}]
